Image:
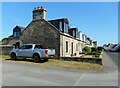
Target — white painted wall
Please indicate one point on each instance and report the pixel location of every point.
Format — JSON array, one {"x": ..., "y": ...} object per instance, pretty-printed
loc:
[{"x": 63, "y": 40}]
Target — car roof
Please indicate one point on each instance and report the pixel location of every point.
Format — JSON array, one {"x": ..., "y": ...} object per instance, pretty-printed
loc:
[{"x": 28, "y": 44}]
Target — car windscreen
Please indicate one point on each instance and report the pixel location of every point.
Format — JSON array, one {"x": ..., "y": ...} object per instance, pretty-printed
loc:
[{"x": 26, "y": 47}]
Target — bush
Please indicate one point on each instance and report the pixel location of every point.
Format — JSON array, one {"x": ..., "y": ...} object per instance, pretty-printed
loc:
[
  {"x": 87, "y": 49},
  {"x": 97, "y": 55},
  {"x": 99, "y": 48},
  {"x": 93, "y": 49},
  {"x": 98, "y": 52},
  {"x": 4, "y": 40}
]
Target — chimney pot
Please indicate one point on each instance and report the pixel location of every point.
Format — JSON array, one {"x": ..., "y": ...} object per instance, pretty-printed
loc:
[
  {"x": 38, "y": 7},
  {"x": 34, "y": 8}
]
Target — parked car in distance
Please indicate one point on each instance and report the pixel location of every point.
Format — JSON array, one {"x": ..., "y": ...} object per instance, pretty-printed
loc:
[
  {"x": 116, "y": 48},
  {"x": 112, "y": 47},
  {"x": 106, "y": 47},
  {"x": 37, "y": 52},
  {"x": 109, "y": 47}
]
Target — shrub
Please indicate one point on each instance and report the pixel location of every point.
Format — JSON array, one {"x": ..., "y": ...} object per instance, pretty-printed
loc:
[
  {"x": 99, "y": 48},
  {"x": 98, "y": 52},
  {"x": 4, "y": 40},
  {"x": 97, "y": 55},
  {"x": 93, "y": 49},
  {"x": 87, "y": 49}
]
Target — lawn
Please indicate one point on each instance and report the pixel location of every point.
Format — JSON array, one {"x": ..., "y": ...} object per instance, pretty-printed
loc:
[
  {"x": 73, "y": 65},
  {"x": 70, "y": 65}
]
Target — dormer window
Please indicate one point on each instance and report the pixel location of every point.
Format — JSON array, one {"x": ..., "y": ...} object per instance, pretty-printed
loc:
[
  {"x": 73, "y": 33},
  {"x": 17, "y": 31},
  {"x": 60, "y": 25},
  {"x": 65, "y": 27},
  {"x": 16, "y": 34}
]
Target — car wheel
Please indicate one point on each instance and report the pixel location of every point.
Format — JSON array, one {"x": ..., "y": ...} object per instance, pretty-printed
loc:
[
  {"x": 36, "y": 58},
  {"x": 13, "y": 56}
]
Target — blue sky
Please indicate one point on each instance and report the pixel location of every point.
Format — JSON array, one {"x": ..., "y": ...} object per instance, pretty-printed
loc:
[{"x": 98, "y": 20}]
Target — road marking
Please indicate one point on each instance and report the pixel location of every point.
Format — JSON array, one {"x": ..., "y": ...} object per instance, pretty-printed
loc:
[{"x": 79, "y": 79}]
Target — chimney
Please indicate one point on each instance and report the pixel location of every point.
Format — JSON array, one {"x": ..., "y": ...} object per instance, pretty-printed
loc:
[{"x": 39, "y": 13}]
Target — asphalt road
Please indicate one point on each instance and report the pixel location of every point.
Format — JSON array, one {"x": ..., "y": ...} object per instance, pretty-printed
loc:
[
  {"x": 30, "y": 75},
  {"x": 110, "y": 61}
]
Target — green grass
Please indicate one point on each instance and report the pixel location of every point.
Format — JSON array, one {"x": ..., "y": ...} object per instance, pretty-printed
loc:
[
  {"x": 4, "y": 56},
  {"x": 71, "y": 65}
]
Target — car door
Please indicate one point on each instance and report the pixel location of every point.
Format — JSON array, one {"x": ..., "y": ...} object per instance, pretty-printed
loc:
[
  {"x": 25, "y": 51},
  {"x": 28, "y": 51},
  {"x": 21, "y": 50}
]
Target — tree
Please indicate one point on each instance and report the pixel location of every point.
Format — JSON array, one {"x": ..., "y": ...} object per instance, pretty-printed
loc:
[{"x": 4, "y": 40}]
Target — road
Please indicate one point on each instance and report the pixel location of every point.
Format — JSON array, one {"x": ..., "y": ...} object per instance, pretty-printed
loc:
[
  {"x": 15, "y": 74},
  {"x": 110, "y": 61}
]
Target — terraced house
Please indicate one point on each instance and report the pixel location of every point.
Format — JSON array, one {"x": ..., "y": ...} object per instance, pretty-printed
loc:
[{"x": 56, "y": 34}]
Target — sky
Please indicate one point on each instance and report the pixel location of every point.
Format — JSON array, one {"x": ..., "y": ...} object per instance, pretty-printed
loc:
[{"x": 98, "y": 20}]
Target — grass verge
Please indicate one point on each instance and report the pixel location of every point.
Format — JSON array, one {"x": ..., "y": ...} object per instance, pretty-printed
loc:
[
  {"x": 4, "y": 56},
  {"x": 73, "y": 65},
  {"x": 69, "y": 65}
]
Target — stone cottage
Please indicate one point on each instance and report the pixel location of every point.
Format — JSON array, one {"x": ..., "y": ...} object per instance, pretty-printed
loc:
[{"x": 55, "y": 34}]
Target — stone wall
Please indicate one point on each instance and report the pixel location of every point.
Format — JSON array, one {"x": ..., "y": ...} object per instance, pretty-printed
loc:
[{"x": 41, "y": 32}]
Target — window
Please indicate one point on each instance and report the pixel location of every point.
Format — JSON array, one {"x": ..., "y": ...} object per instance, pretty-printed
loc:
[
  {"x": 55, "y": 23},
  {"x": 66, "y": 46},
  {"x": 74, "y": 33},
  {"x": 77, "y": 34},
  {"x": 22, "y": 47},
  {"x": 60, "y": 25},
  {"x": 76, "y": 47},
  {"x": 72, "y": 47},
  {"x": 80, "y": 47},
  {"x": 65, "y": 27},
  {"x": 83, "y": 38},
  {"x": 38, "y": 46},
  {"x": 26, "y": 47},
  {"x": 16, "y": 34}
]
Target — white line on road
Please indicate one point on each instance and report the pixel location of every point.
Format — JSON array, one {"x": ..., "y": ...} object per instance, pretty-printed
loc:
[{"x": 79, "y": 79}]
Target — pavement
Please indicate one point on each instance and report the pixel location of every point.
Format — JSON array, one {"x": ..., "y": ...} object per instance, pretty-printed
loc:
[{"x": 15, "y": 74}]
